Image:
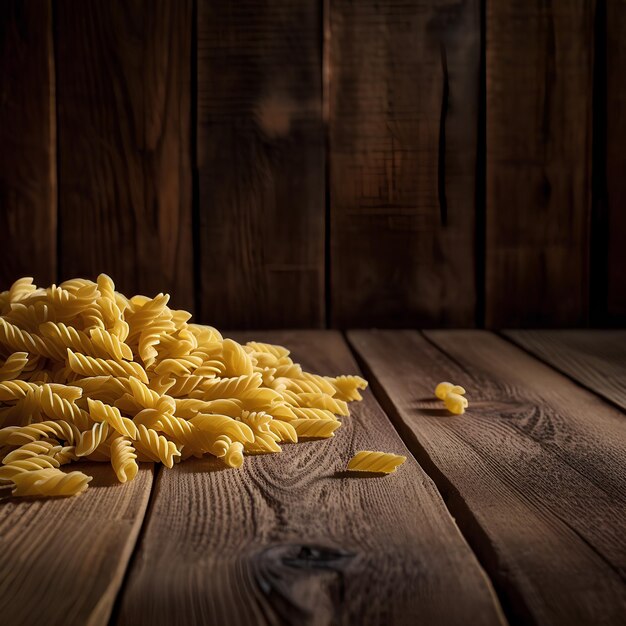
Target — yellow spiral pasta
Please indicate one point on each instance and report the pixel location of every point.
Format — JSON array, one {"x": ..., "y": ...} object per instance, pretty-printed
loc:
[
  {"x": 13, "y": 366},
  {"x": 50, "y": 482},
  {"x": 234, "y": 454},
  {"x": 90, "y": 366},
  {"x": 222, "y": 424},
  {"x": 378, "y": 462},
  {"x": 455, "y": 403},
  {"x": 16, "y": 389},
  {"x": 229, "y": 387},
  {"x": 285, "y": 431},
  {"x": 89, "y": 374},
  {"x": 444, "y": 388},
  {"x": 57, "y": 407},
  {"x": 19, "y": 435},
  {"x": 32, "y": 449},
  {"x": 21, "y": 340},
  {"x": 9, "y": 470},
  {"x": 313, "y": 414},
  {"x": 347, "y": 387},
  {"x": 123, "y": 459},
  {"x": 156, "y": 447},
  {"x": 315, "y": 428},
  {"x": 91, "y": 439},
  {"x": 107, "y": 345},
  {"x": 65, "y": 455},
  {"x": 100, "y": 412}
]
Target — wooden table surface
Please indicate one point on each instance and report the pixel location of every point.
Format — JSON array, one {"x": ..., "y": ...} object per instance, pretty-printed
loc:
[{"x": 512, "y": 513}]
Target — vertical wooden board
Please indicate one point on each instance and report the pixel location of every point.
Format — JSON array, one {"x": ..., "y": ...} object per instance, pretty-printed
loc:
[
  {"x": 539, "y": 101},
  {"x": 28, "y": 192},
  {"x": 292, "y": 538},
  {"x": 616, "y": 159},
  {"x": 404, "y": 91},
  {"x": 533, "y": 472},
  {"x": 124, "y": 106},
  {"x": 261, "y": 163},
  {"x": 62, "y": 560},
  {"x": 594, "y": 358}
]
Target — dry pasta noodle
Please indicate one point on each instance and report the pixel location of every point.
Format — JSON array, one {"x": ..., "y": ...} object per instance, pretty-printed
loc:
[
  {"x": 89, "y": 374},
  {"x": 378, "y": 462},
  {"x": 453, "y": 397},
  {"x": 443, "y": 389}
]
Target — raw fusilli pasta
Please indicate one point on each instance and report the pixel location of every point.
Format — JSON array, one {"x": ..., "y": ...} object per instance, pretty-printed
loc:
[
  {"x": 380, "y": 462},
  {"x": 87, "y": 373}
]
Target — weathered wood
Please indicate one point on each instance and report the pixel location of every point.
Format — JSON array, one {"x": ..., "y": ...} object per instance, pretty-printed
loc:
[
  {"x": 290, "y": 538},
  {"x": 539, "y": 101},
  {"x": 616, "y": 159},
  {"x": 534, "y": 472},
  {"x": 62, "y": 560},
  {"x": 261, "y": 163},
  {"x": 594, "y": 358},
  {"x": 124, "y": 103},
  {"x": 404, "y": 85},
  {"x": 28, "y": 194}
]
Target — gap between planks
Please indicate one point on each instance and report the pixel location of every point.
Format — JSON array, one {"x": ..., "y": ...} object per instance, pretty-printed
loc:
[
  {"x": 310, "y": 545},
  {"x": 569, "y": 534}
]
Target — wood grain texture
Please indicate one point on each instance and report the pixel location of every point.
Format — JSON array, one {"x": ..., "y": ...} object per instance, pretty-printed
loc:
[
  {"x": 404, "y": 80},
  {"x": 261, "y": 163},
  {"x": 594, "y": 358},
  {"x": 534, "y": 472},
  {"x": 616, "y": 159},
  {"x": 124, "y": 103},
  {"x": 28, "y": 193},
  {"x": 539, "y": 100},
  {"x": 291, "y": 538},
  {"x": 62, "y": 560}
]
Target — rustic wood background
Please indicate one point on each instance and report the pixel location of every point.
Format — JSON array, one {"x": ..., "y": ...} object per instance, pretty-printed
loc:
[{"x": 304, "y": 163}]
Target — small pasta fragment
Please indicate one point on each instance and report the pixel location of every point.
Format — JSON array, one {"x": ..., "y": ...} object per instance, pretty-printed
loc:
[{"x": 377, "y": 462}]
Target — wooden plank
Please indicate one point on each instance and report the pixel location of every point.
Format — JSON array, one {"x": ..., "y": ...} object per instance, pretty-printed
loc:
[
  {"x": 290, "y": 538},
  {"x": 534, "y": 472},
  {"x": 404, "y": 83},
  {"x": 594, "y": 358},
  {"x": 62, "y": 560},
  {"x": 124, "y": 103},
  {"x": 28, "y": 193},
  {"x": 261, "y": 163},
  {"x": 616, "y": 159},
  {"x": 539, "y": 100}
]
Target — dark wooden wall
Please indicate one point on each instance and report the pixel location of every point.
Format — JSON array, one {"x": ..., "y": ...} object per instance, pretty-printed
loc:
[{"x": 322, "y": 162}]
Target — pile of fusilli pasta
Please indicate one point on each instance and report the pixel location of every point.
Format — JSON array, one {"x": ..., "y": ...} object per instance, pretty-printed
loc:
[{"x": 87, "y": 373}]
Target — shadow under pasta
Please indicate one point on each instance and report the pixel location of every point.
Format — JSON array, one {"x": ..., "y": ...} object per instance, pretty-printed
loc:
[
  {"x": 354, "y": 474},
  {"x": 200, "y": 466}
]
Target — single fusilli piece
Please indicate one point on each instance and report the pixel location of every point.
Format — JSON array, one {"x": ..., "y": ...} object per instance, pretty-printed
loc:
[
  {"x": 315, "y": 428},
  {"x": 378, "y": 462},
  {"x": 123, "y": 459},
  {"x": 155, "y": 446},
  {"x": 13, "y": 366},
  {"x": 49, "y": 482}
]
